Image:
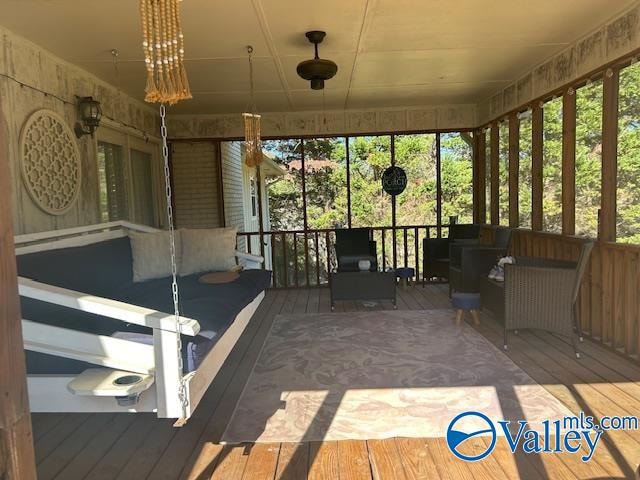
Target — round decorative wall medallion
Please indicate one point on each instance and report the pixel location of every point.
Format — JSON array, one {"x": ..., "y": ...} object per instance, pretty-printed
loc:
[
  {"x": 394, "y": 180},
  {"x": 50, "y": 162}
]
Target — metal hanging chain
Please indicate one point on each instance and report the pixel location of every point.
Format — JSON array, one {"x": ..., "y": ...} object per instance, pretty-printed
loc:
[{"x": 182, "y": 392}]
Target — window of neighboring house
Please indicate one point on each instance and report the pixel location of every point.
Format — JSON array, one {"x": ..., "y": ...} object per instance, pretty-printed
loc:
[
  {"x": 113, "y": 195},
  {"x": 253, "y": 192}
]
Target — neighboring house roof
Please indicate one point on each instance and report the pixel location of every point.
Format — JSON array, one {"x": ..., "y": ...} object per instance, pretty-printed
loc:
[{"x": 311, "y": 165}]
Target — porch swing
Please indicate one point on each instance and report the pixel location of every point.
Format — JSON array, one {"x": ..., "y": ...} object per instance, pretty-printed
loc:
[{"x": 137, "y": 371}]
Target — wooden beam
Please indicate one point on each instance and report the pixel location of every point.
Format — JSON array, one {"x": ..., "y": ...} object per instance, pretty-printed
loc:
[
  {"x": 514, "y": 168},
  {"x": 495, "y": 173},
  {"x": 536, "y": 166},
  {"x": 17, "y": 460},
  {"x": 609, "y": 155},
  {"x": 569, "y": 162},
  {"x": 479, "y": 199}
]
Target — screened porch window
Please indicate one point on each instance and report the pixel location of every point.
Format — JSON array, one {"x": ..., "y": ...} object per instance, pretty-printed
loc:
[
  {"x": 552, "y": 167},
  {"x": 524, "y": 173},
  {"x": 628, "y": 177},
  {"x": 503, "y": 173},
  {"x": 588, "y": 158}
]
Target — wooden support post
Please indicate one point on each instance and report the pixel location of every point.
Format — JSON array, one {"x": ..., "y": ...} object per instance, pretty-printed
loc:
[
  {"x": 609, "y": 154},
  {"x": 480, "y": 173},
  {"x": 393, "y": 209},
  {"x": 514, "y": 168},
  {"x": 569, "y": 162},
  {"x": 17, "y": 460},
  {"x": 495, "y": 173},
  {"x": 438, "y": 188},
  {"x": 536, "y": 166},
  {"x": 260, "y": 213},
  {"x": 348, "y": 182}
]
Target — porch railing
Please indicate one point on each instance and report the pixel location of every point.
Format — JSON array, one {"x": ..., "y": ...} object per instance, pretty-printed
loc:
[{"x": 304, "y": 258}]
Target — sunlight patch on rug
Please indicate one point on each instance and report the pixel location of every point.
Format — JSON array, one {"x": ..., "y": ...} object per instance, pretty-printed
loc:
[{"x": 376, "y": 375}]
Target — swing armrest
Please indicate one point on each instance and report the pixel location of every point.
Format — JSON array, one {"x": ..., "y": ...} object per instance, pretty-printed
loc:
[
  {"x": 252, "y": 261},
  {"x": 106, "y": 307}
]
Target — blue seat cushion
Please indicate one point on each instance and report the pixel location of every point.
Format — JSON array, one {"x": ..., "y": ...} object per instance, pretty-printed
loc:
[
  {"x": 102, "y": 269},
  {"x": 466, "y": 301}
]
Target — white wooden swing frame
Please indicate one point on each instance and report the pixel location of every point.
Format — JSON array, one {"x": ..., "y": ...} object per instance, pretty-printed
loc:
[{"x": 160, "y": 361}]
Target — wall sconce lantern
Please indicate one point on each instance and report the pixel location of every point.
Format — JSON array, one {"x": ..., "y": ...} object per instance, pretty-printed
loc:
[{"x": 90, "y": 114}]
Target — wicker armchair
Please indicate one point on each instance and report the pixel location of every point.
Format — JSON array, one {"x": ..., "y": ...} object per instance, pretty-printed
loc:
[{"x": 542, "y": 293}]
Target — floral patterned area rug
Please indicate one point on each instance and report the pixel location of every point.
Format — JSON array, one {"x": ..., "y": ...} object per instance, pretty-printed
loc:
[{"x": 376, "y": 375}]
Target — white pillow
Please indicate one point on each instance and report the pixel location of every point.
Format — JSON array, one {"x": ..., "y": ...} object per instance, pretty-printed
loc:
[
  {"x": 151, "y": 255},
  {"x": 208, "y": 250}
]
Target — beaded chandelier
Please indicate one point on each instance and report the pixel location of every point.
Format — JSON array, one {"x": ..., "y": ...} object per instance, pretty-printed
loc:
[{"x": 163, "y": 45}]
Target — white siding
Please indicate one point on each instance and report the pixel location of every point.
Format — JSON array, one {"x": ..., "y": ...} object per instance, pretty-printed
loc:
[
  {"x": 231, "y": 156},
  {"x": 196, "y": 189}
]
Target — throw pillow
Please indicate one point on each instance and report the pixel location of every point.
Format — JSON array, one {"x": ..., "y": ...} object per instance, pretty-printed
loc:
[
  {"x": 208, "y": 250},
  {"x": 150, "y": 252}
]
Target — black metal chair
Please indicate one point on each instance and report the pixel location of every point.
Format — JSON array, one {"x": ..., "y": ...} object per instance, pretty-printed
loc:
[{"x": 353, "y": 245}]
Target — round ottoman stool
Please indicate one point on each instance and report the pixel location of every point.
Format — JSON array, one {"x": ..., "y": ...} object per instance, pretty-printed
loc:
[
  {"x": 405, "y": 274},
  {"x": 466, "y": 302}
]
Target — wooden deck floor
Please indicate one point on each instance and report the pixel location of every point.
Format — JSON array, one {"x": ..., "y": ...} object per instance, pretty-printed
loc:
[{"x": 123, "y": 446}]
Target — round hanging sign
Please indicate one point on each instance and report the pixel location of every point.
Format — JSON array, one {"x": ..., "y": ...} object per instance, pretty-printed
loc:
[{"x": 394, "y": 180}]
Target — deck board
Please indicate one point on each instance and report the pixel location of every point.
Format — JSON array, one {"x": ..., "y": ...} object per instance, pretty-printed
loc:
[
  {"x": 107, "y": 446},
  {"x": 293, "y": 461}
]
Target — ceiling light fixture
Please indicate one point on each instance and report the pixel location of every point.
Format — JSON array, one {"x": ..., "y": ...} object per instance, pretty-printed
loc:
[{"x": 318, "y": 69}]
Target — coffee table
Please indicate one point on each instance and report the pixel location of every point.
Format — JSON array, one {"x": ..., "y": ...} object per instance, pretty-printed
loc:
[{"x": 363, "y": 286}]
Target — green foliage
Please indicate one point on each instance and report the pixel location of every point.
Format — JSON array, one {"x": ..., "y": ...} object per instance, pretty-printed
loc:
[
  {"x": 552, "y": 167},
  {"x": 628, "y": 195},
  {"x": 326, "y": 181},
  {"x": 524, "y": 174},
  {"x": 503, "y": 173}
]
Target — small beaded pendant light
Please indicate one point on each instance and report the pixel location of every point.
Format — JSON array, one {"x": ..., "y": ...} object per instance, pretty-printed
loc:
[
  {"x": 252, "y": 141},
  {"x": 163, "y": 45}
]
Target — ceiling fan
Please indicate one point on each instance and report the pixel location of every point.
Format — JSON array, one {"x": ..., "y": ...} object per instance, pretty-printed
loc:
[{"x": 318, "y": 69}]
